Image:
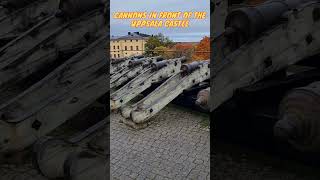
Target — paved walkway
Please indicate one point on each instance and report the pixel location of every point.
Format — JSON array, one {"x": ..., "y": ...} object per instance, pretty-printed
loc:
[{"x": 175, "y": 145}]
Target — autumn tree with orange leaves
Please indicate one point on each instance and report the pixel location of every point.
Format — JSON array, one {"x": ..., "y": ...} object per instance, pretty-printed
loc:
[
  {"x": 183, "y": 49},
  {"x": 202, "y": 50}
]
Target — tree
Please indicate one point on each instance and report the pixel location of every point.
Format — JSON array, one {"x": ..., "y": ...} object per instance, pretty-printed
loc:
[
  {"x": 202, "y": 50},
  {"x": 157, "y": 41},
  {"x": 183, "y": 49},
  {"x": 164, "y": 52}
]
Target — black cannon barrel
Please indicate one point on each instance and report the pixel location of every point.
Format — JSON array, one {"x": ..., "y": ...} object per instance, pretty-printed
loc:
[
  {"x": 189, "y": 68},
  {"x": 137, "y": 62},
  {"x": 159, "y": 59},
  {"x": 158, "y": 65},
  {"x": 247, "y": 22},
  {"x": 137, "y": 57},
  {"x": 75, "y": 8},
  {"x": 117, "y": 61}
]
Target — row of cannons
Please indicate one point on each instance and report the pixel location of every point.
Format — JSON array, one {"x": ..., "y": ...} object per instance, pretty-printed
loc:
[
  {"x": 265, "y": 75},
  {"x": 131, "y": 77},
  {"x": 53, "y": 72}
]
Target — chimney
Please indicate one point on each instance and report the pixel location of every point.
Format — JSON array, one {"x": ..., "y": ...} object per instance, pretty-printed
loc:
[
  {"x": 137, "y": 33},
  {"x": 129, "y": 33}
]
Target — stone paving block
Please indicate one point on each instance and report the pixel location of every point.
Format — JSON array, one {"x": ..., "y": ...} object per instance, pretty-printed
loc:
[{"x": 171, "y": 147}]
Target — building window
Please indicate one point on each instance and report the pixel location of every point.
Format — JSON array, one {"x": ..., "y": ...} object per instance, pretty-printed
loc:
[
  {"x": 137, "y": 40},
  {"x": 118, "y": 55},
  {"x": 131, "y": 47},
  {"x": 137, "y": 47},
  {"x": 125, "y": 48},
  {"x": 115, "y": 55},
  {"x": 114, "y": 47},
  {"x": 125, "y": 40},
  {"x": 118, "y": 47},
  {"x": 130, "y": 40}
]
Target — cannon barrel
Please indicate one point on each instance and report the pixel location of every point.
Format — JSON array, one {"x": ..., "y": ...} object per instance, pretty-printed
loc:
[
  {"x": 117, "y": 61},
  {"x": 299, "y": 118},
  {"x": 203, "y": 99},
  {"x": 162, "y": 63},
  {"x": 74, "y": 8},
  {"x": 244, "y": 23},
  {"x": 144, "y": 61},
  {"x": 136, "y": 62},
  {"x": 137, "y": 57},
  {"x": 159, "y": 59},
  {"x": 120, "y": 60},
  {"x": 189, "y": 68},
  {"x": 158, "y": 65},
  {"x": 56, "y": 158}
]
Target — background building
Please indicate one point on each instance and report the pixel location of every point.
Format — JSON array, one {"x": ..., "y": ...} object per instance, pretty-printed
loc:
[{"x": 132, "y": 44}]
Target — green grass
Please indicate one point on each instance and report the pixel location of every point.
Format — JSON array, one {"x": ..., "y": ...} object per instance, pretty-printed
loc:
[{"x": 205, "y": 121}]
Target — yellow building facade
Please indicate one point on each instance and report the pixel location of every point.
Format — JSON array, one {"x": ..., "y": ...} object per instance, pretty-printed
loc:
[{"x": 132, "y": 44}]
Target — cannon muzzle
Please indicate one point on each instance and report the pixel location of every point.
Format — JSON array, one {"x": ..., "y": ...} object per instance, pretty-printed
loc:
[{"x": 245, "y": 23}]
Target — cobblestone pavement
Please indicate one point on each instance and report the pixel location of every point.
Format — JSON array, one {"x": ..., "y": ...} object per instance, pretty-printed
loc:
[
  {"x": 175, "y": 145},
  {"x": 240, "y": 162}
]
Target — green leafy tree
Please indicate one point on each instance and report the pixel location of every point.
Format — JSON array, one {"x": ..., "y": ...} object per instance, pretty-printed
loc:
[
  {"x": 164, "y": 52},
  {"x": 157, "y": 41}
]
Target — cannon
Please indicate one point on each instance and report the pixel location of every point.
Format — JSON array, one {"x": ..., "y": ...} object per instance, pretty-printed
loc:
[
  {"x": 138, "y": 114},
  {"x": 134, "y": 68},
  {"x": 203, "y": 99},
  {"x": 16, "y": 23},
  {"x": 54, "y": 74},
  {"x": 298, "y": 118},
  {"x": 265, "y": 72},
  {"x": 243, "y": 24},
  {"x": 120, "y": 64},
  {"x": 159, "y": 71},
  {"x": 189, "y": 68},
  {"x": 59, "y": 159}
]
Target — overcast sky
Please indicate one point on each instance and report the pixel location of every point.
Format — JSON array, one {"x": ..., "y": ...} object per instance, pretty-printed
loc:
[{"x": 197, "y": 28}]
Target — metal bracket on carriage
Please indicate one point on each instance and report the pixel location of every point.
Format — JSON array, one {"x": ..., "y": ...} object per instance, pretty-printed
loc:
[
  {"x": 133, "y": 69},
  {"x": 158, "y": 71},
  {"x": 190, "y": 75}
]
